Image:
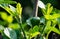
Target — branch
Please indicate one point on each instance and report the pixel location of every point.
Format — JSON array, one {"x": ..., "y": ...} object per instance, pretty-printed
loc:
[{"x": 35, "y": 11}]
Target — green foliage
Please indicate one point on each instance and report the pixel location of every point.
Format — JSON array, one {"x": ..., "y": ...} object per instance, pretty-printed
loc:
[
  {"x": 33, "y": 21},
  {"x": 48, "y": 12},
  {"x": 7, "y": 1},
  {"x": 42, "y": 20},
  {"x": 9, "y": 19},
  {"x": 39, "y": 26},
  {"x": 3, "y": 15},
  {"x": 19, "y": 8},
  {"x": 12, "y": 10},
  {"x": 34, "y": 32},
  {"x": 10, "y": 33},
  {"x": 1, "y": 28},
  {"x": 10, "y": 30},
  {"x": 49, "y": 8},
  {"x": 48, "y": 27},
  {"x": 14, "y": 26}
]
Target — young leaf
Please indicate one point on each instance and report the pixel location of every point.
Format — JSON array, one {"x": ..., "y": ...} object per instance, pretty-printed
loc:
[
  {"x": 14, "y": 26},
  {"x": 9, "y": 9},
  {"x": 49, "y": 8},
  {"x": 34, "y": 32},
  {"x": 48, "y": 17},
  {"x": 10, "y": 33},
  {"x": 41, "y": 4},
  {"x": 6, "y": 8},
  {"x": 55, "y": 16},
  {"x": 3, "y": 15},
  {"x": 43, "y": 11},
  {"x": 55, "y": 30},
  {"x": 35, "y": 29},
  {"x": 19, "y": 8},
  {"x": 48, "y": 27},
  {"x": 9, "y": 19}
]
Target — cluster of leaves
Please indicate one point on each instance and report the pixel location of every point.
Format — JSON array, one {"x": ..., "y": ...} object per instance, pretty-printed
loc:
[
  {"x": 8, "y": 29},
  {"x": 39, "y": 27},
  {"x": 52, "y": 19}
]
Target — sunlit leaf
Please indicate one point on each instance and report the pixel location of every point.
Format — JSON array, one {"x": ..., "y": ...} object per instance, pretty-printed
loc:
[
  {"x": 44, "y": 11},
  {"x": 34, "y": 32},
  {"x": 49, "y": 8},
  {"x": 55, "y": 30},
  {"x": 19, "y": 8},
  {"x": 54, "y": 21},
  {"x": 4, "y": 6},
  {"x": 35, "y": 29},
  {"x": 56, "y": 16},
  {"x": 9, "y": 19},
  {"x": 10, "y": 33},
  {"x": 14, "y": 26},
  {"x": 49, "y": 17},
  {"x": 48, "y": 27},
  {"x": 9, "y": 9},
  {"x": 3, "y": 15}
]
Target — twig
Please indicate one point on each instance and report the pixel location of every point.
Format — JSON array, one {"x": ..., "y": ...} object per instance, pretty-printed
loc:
[{"x": 35, "y": 11}]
